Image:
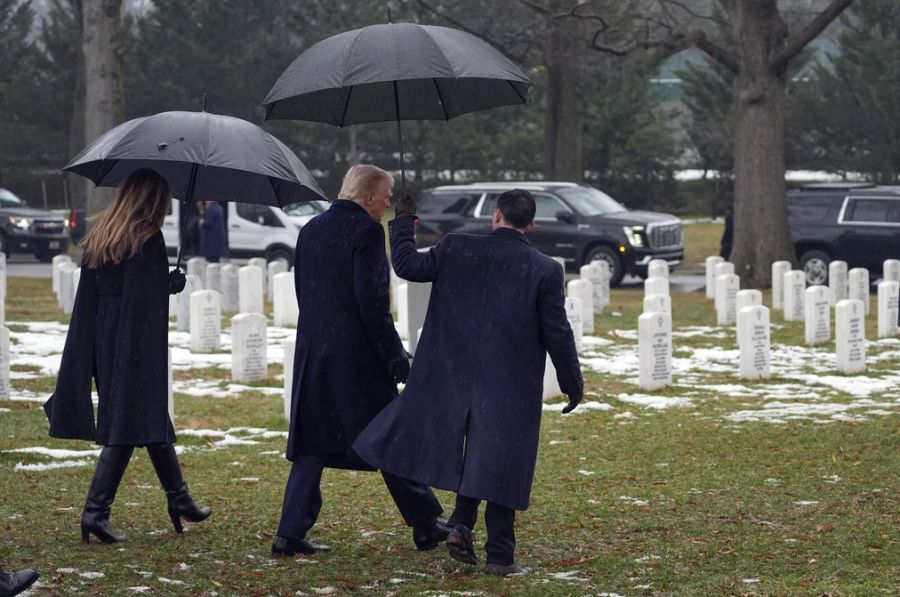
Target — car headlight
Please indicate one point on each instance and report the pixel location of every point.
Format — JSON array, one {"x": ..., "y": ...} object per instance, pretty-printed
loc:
[
  {"x": 23, "y": 223},
  {"x": 634, "y": 235},
  {"x": 66, "y": 222}
]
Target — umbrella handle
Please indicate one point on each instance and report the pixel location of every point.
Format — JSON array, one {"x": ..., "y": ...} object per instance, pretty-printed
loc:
[{"x": 186, "y": 212}]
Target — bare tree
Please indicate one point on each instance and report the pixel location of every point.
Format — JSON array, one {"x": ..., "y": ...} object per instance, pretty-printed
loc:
[{"x": 101, "y": 45}]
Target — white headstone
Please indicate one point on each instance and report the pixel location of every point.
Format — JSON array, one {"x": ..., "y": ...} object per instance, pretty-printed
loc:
[
  {"x": 891, "y": 270},
  {"x": 603, "y": 268},
  {"x": 262, "y": 264},
  {"x": 230, "y": 287},
  {"x": 794, "y": 289},
  {"x": 171, "y": 397},
  {"x": 711, "y": 263},
  {"x": 754, "y": 340},
  {"x": 57, "y": 262},
  {"x": 284, "y": 300},
  {"x": 248, "y": 346},
  {"x": 289, "y": 346},
  {"x": 4, "y": 364},
  {"x": 276, "y": 267},
  {"x": 2, "y": 303},
  {"x": 3, "y": 272},
  {"x": 551, "y": 384},
  {"x": 654, "y": 286},
  {"x": 725, "y": 268},
  {"x": 196, "y": 266},
  {"x": 67, "y": 288},
  {"x": 658, "y": 268},
  {"x": 837, "y": 281},
  {"x": 746, "y": 298},
  {"x": 417, "y": 295},
  {"x": 593, "y": 273},
  {"x": 173, "y": 305},
  {"x": 403, "y": 310},
  {"x": 859, "y": 286},
  {"x": 395, "y": 285},
  {"x": 727, "y": 287},
  {"x": 850, "y": 335},
  {"x": 206, "y": 320},
  {"x": 779, "y": 269},
  {"x": 214, "y": 277},
  {"x": 183, "y": 303},
  {"x": 584, "y": 290},
  {"x": 655, "y": 350},
  {"x": 562, "y": 262},
  {"x": 888, "y": 298},
  {"x": 658, "y": 303},
  {"x": 250, "y": 289},
  {"x": 573, "y": 314},
  {"x": 817, "y": 314}
]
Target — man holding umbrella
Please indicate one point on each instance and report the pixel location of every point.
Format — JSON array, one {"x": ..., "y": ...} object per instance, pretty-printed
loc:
[
  {"x": 348, "y": 360},
  {"x": 469, "y": 417}
]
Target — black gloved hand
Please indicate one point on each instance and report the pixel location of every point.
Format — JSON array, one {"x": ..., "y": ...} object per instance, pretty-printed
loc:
[
  {"x": 406, "y": 205},
  {"x": 398, "y": 367},
  {"x": 574, "y": 400},
  {"x": 176, "y": 281}
]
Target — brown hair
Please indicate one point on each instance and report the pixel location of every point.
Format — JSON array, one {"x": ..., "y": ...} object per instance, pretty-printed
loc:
[
  {"x": 136, "y": 214},
  {"x": 361, "y": 179}
]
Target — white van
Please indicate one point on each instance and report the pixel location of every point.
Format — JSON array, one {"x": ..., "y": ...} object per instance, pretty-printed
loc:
[{"x": 253, "y": 230}]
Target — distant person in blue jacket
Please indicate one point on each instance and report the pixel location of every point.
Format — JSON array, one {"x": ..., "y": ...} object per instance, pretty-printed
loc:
[{"x": 213, "y": 239}]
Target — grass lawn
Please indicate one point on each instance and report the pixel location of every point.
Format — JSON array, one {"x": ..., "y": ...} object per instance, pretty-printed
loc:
[
  {"x": 701, "y": 240},
  {"x": 627, "y": 500}
]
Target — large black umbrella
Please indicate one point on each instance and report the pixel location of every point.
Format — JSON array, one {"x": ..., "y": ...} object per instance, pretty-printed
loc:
[
  {"x": 400, "y": 71},
  {"x": 200, "y": 155}
]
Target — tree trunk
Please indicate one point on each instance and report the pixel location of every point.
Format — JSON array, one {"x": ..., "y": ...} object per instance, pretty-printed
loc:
[
  {"x": 76, "y": 184},
  {"x": 564, "y": 55},
  {"x": 101, "y": 44},
  {"x": 761, "y": 232}
]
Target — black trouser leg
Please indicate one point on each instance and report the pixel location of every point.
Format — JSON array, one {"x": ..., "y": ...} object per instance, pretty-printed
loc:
[
  {"x": 465, "y": 512},
  {"x": 110, "y": 467},
  {"x": 168, "y": 470},
  {"x": 302, "y": 497},
  {"x": 501, "y": 534},
  {"x": 416, "y": 502}
]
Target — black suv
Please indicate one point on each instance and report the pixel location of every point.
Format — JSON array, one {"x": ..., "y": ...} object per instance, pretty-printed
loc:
[
  {"x": 575, "y": 222},
  {"x": 854, "y": 222},
  {"x": 25, "y": 229}
]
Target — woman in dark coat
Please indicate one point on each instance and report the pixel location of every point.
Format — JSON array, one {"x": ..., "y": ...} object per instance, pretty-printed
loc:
[{"x": 118, "y": 338}]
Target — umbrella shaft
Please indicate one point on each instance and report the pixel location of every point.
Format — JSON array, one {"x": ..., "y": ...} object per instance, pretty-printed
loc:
[{"x": 400, "y": 138}]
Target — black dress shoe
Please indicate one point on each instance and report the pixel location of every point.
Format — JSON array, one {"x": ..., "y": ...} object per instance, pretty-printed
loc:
[
  {"x": 282, "y": 546},
  {"x": 460, "y": 545},
  {"x": 501, "y": 570},
  {"x": 13, "y": 583},
  {"x": 431, "y": 535}
]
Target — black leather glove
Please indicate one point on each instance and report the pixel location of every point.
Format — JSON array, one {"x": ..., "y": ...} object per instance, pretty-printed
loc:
[
  {"x": 398, "y": 367},
  {"x": 176, "y": 281},
  {"x": 406, "y": 206},
  {"x": 574, "y": 400}
]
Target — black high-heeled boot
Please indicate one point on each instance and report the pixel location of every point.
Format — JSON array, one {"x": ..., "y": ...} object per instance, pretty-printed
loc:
[
  {"x": 181, "y": 505},
  {"x": 107, "y": 476},
  {"x": 13, "y": 583}
]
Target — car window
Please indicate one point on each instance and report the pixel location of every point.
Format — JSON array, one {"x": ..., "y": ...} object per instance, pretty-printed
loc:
[
  {"x": 869, "y": 209},
  {"x": 448, "y": 203},
  {"x": 309, "y": 208},
  {"x": 488, "y": 206},
  {"x": 258, "y": 214},
  {"x": 589, "y": 201},
  {"x": 818, "y": 210},
  {"x": 8, "y": 199},
  {"x": 547, "y": 206}
]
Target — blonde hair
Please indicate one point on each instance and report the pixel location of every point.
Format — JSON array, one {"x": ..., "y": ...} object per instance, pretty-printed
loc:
[
  {"x": 136, "y": 214},
  {"x": 362, "y": 179}
]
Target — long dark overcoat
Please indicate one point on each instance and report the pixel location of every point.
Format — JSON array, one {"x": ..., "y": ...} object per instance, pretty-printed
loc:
[
  {"x": 212, "y": 232},
  {"x": 118, "y": 337},
  {"x": 469, "y": 417},
  {"x": 345, "y": 334}
]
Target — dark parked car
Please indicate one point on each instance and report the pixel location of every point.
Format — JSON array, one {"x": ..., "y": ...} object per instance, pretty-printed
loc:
[
  {"x": 26, "y": 229},
  {"x": 857, "y": 222},
  {"x": 575, "y": 222}
]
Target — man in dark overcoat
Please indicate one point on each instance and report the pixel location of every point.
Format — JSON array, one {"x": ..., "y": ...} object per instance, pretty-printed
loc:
[
  {"x": 213, "y": 239},
  {"x": 469, "y": 417},
  {"x": 348, "y": 359}
]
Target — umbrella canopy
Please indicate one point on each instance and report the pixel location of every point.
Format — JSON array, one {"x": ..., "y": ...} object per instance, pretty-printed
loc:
[
  {"x": 401, "y": 71},
  {"x": 201, "y": 155}
]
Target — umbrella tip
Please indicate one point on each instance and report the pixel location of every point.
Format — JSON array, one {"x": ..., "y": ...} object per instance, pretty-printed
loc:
[
  {"x": 204, "y": 102},
  {"x": 389, "y": 14}
]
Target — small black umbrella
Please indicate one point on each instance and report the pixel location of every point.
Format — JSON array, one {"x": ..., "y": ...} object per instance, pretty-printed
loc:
[
  {"x": 400, "y": 71},
  {"x": 200, "y": 155}
]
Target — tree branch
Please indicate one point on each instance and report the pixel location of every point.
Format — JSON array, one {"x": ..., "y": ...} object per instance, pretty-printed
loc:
[
  {"x": 683, "y": 6},
  {"x": 673, "y": 45},
  {"x": 795, "y": 43},
  {"x": 519, "y": 58}
]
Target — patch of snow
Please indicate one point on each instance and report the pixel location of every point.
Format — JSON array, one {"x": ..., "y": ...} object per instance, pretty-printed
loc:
[
  {"x": 46, "y": 466},
  {"x": 54, "y": 453},
  {"x": 657, "y": 402},
  {"x": 806, "y": 503},
  {"x": 633, "y": 502},
  {"x": 571, "y": 575},
  {"x": 585, "y": 473}
]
